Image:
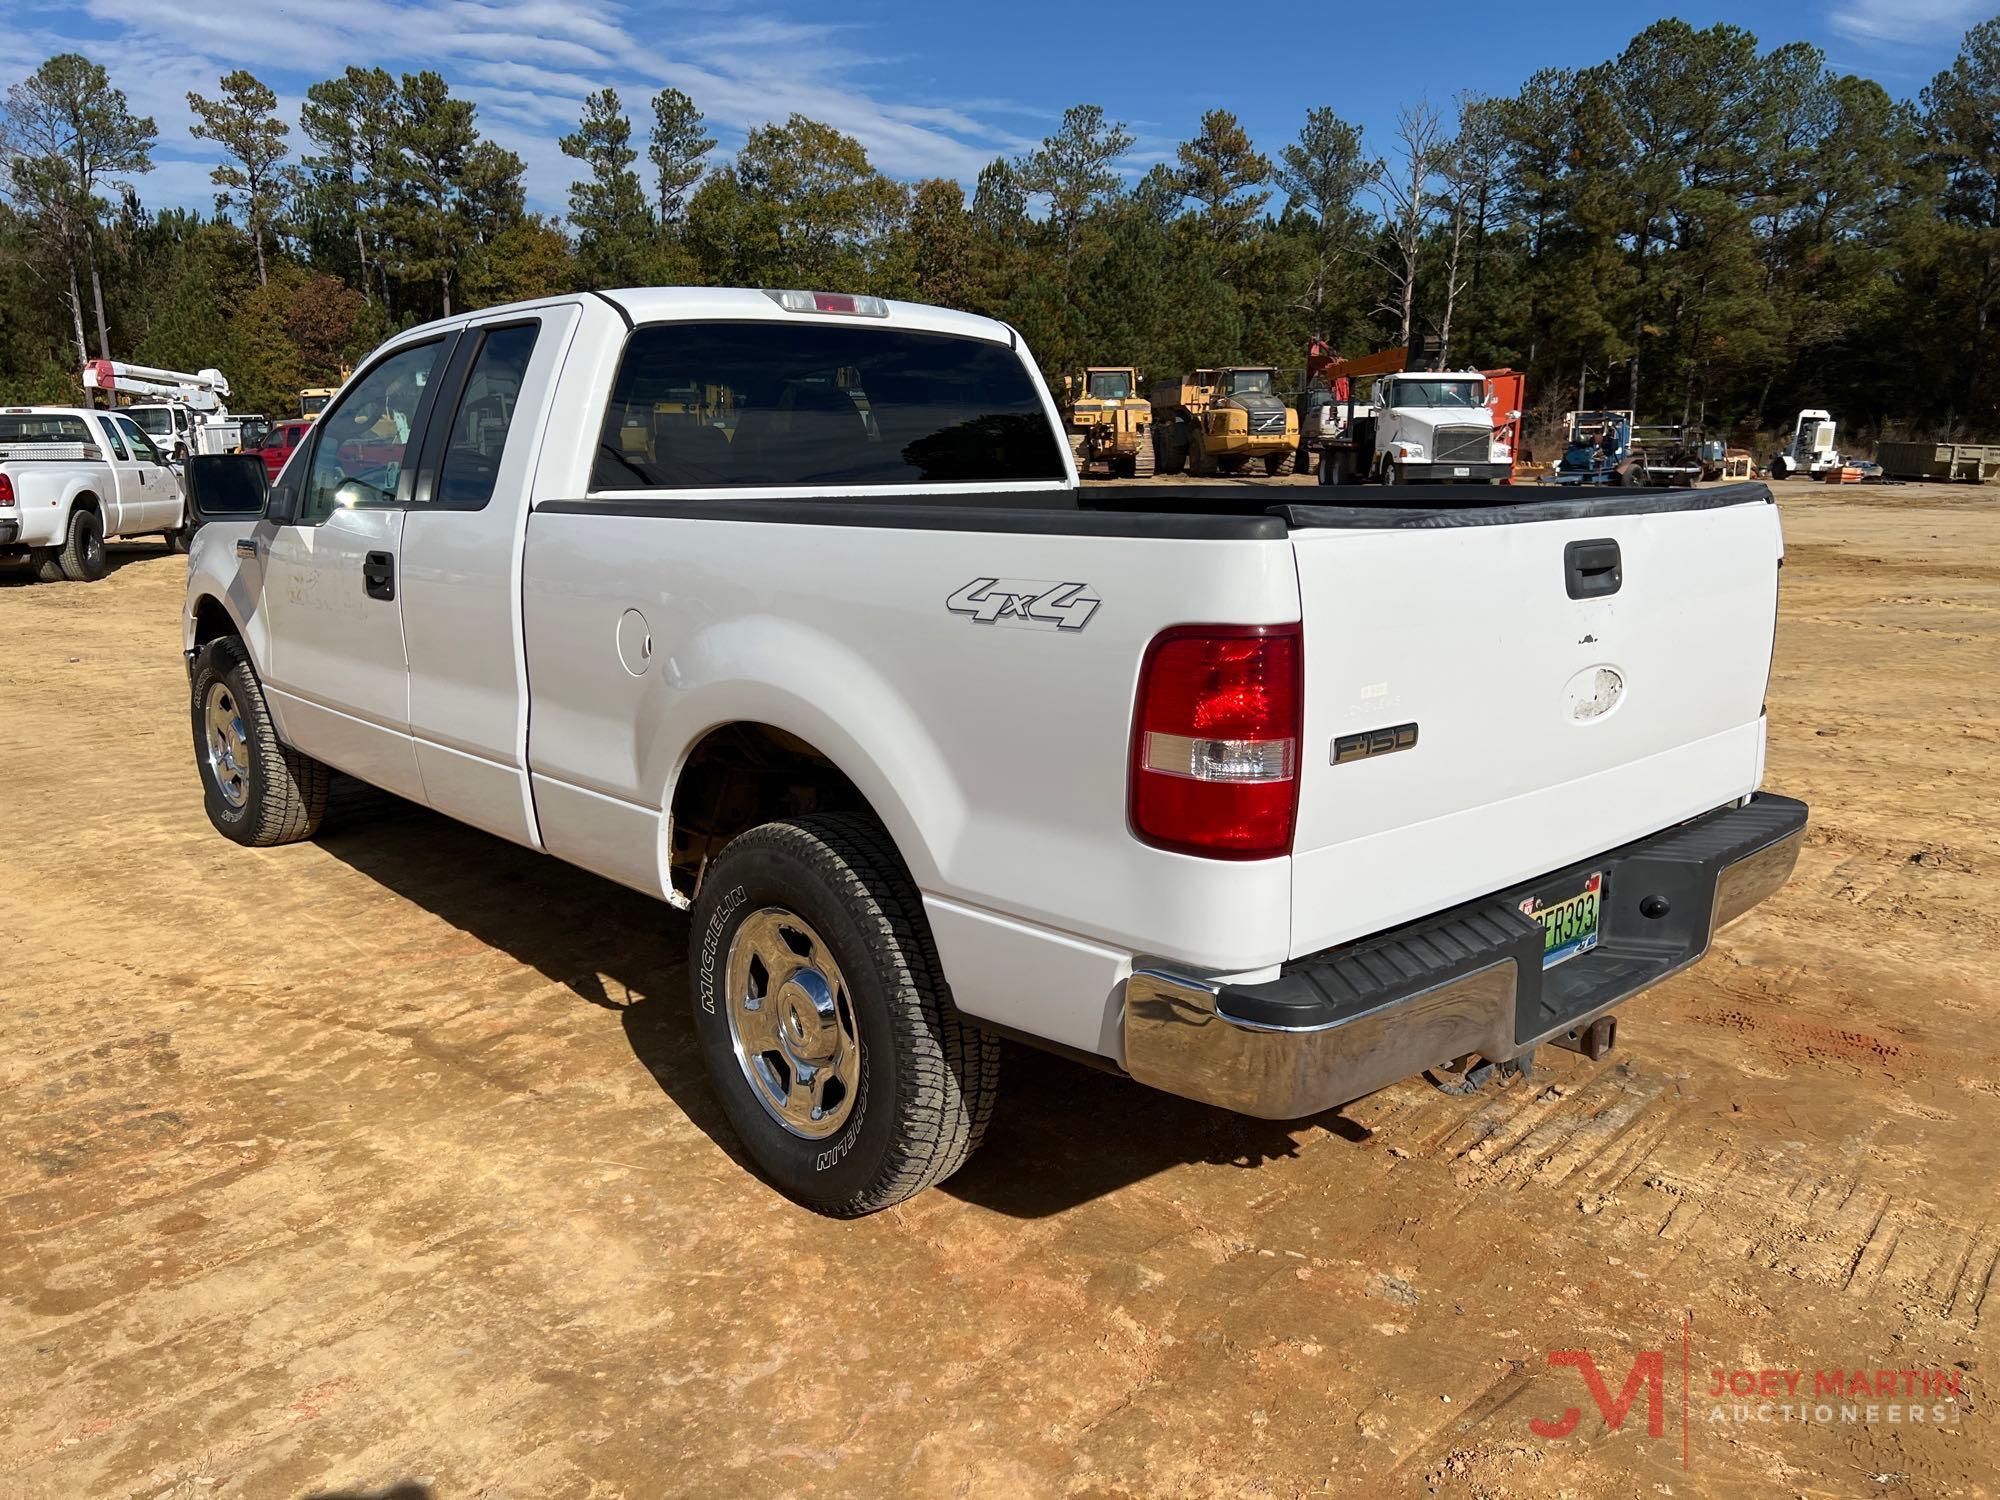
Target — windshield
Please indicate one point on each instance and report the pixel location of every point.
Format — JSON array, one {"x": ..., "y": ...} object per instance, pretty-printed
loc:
[
  {"x": 1465, "y": 395},
  {"x": 156, "y": 420},
  {"x": 699, "y": 405},
  {"x": 1111, "y": 385},
  {"x": 1247, "y": 382}
]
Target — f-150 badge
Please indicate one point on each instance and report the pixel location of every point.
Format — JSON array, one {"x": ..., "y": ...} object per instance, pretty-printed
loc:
[{"x": 1037, "y": 603}]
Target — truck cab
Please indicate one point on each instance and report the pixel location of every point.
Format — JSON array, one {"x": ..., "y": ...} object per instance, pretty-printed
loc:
[{"x": 1436, "y": 426}]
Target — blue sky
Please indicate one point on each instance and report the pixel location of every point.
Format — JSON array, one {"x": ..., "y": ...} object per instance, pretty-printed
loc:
[{"x": 931, "y": 89}]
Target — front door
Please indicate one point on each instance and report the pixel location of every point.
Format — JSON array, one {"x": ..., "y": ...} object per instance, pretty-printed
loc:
[
  {"x": 337, "y": 671},
  {"x": 158, "y": 491}
]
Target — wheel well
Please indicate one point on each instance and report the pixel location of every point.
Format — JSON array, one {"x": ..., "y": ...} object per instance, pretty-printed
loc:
[
  {"x": 211, "y": 620},
  {"x": 86, "y": 500},
  {"x": 741, "y": 775}
]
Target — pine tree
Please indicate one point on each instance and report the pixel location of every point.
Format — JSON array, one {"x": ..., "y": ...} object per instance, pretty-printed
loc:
[
  {"x": 607, "y": 208},
  {"x": 245, "y": 123}
]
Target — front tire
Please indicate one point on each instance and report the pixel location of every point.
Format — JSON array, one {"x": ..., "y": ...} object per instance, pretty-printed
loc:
[
  {"x": 257, "y": 790},
  {"x": 825, "y": 1020},
  {"x": 82, "y": 557}
]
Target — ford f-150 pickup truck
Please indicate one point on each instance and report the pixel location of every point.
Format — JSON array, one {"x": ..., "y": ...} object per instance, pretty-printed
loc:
[
  {"x": 69, "y": 478},
  {"x": 787, "y": 608}
]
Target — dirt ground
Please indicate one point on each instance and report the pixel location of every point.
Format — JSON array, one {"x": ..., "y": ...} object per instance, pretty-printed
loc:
[{"x": 383, "y": 1165}]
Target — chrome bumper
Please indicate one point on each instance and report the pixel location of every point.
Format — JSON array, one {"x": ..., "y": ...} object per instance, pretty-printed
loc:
[{"x": 1347, "y": 1022}]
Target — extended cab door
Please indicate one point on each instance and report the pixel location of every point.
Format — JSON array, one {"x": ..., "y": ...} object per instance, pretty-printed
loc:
[
  {"x": 460, "y": 585},
  {"x": 336, "y": 674}
]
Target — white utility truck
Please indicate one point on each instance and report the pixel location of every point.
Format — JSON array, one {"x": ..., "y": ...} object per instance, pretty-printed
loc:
[
  {"x": 1266, "y": 805},
  {"x": 189, "y": 416},
  {"x": 71, "y": 477}
]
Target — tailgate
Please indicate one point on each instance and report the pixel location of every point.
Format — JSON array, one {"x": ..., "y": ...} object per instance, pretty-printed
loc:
[{"x": 1548, "y": 728}]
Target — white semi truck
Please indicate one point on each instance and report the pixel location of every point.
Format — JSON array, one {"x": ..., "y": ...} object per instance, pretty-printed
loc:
[
  {"x": 1265, "y": 805},
  {"x": 1420, "y": 427}
]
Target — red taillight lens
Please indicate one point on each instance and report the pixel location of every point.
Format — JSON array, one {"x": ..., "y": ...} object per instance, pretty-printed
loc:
[
  {"x": 6, "y": 490},
  {"x": 1215, "y": 742}
]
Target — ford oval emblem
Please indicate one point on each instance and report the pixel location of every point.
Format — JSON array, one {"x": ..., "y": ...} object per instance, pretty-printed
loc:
[{"x": 1593, "y": 693}]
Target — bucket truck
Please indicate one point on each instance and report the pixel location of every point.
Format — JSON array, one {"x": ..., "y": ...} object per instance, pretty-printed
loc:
[{"x": 188, "y": 414}]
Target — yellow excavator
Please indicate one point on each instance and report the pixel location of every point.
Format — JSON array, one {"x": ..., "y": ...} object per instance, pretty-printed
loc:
[{"x": 1228, "y": 420}]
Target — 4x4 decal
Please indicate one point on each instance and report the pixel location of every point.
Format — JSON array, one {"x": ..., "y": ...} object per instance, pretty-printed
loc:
[{"x": 1038, "y": 603}]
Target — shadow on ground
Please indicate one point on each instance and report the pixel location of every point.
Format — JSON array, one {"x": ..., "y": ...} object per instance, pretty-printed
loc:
[
  {"x": 1064, "y": 1135},
  {"x": 19, "y": 572}
]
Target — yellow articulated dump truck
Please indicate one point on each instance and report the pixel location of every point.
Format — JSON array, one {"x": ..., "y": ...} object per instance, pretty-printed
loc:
[
  {"x": 1110, "y": 423},
  {"x": 1225, "y": 421}
]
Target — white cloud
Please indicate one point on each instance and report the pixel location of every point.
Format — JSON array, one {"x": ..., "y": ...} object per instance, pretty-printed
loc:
[
  {"x": 1914, "y": 22},
  {"x": 527, "y": 65}
]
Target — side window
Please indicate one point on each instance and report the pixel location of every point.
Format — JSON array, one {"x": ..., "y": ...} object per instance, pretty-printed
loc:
[
  {"x": 142, "y": 446},
  {"x": 357, "y": 454},
  {"x": 477, "y": 436},
  {"x": 117, "y": 441}
]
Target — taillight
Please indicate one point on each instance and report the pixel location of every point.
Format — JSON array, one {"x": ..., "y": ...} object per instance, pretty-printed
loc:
[
  {"x": 6, "y": 489},
  {"x": 1215, "y": 740}
]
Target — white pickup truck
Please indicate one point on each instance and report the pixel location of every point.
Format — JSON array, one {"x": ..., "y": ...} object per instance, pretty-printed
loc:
[
  {"x": 69, "y": 478},
  {"x": 787, "y": 608}
]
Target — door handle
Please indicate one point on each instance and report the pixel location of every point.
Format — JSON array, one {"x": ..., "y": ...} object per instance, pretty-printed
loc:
[
  {"x": 1593, "y": 569},
  {"x": 378, "y": 575}
]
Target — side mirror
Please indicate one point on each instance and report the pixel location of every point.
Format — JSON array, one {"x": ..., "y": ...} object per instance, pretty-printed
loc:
[{"x": 225, "y": 487}]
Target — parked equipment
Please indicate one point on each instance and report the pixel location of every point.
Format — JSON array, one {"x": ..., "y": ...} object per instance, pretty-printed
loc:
[
  {"x": 1971, "y": 462},
  {"x": 1225, "y": 420},
  {"x": 1604, "y": 447},
  {"x": 189, "y": 414},
  {"x": 1811, "y": 450},
  {"x": 1110, "y": 423},
  {"x": 1334, "y": 425}
]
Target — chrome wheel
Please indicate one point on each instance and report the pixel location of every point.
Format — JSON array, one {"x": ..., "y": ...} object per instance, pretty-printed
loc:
[
  {"x": 228, "y": 745},
  {"x": 791, "y": 1023}
]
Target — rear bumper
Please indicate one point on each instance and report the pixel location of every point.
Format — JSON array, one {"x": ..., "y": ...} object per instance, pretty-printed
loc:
[{"x": 1343, "y": 1023}]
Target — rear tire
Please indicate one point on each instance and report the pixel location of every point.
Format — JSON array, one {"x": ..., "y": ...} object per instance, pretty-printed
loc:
[
  {"x": 1278, "y": 465},
  {"x": 258, "y": 790},
  {"x": 82, "y": 555},
  {"x": 825, "y": 1021},
  {"x": 47, "y": 563}
]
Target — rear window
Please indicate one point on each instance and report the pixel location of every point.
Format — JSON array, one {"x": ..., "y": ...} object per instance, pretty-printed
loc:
[
  {"x": 44, "y": 427},
  {"x": 716, "y": 405}
]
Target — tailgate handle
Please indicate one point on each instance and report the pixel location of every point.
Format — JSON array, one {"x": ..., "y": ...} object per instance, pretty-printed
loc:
[{"x": 1592, "y": 569}]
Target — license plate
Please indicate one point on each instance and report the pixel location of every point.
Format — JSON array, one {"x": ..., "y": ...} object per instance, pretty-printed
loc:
[
  {"x": 1461, "y": 473},
  {"x": 1569, "y": 921}
]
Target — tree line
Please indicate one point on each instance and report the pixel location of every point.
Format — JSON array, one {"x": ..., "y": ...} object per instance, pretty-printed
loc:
[{"x": 1700, "y": 228}]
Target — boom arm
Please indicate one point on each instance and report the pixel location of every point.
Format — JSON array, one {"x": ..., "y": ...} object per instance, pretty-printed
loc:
[{"x": 201, "y": 391}]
